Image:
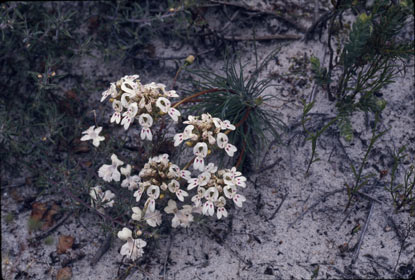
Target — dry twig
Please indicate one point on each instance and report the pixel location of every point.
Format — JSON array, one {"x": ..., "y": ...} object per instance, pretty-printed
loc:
[{"x": 359, "y": 244}]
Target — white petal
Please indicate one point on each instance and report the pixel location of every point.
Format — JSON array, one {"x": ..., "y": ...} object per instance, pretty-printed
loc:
[
  {"x": 145, "y": 120},
  {"x": 194, "y": 182},
  {"x": 199, "y": 164},
  {"x": 222, "y": 140},
  {"x": 174, "y": 114},
  {"x": 163, "y": 104},
  {"x": 185, "y": 174},
  {"x": 146, "y": 134},
  {"x": 124, "y": 234},
  {"x": 238, "y": 199},
  {"x": 178, "y": 138},
  {"x": 200, "y": 149},
  {"x": 230, "y": 149}
]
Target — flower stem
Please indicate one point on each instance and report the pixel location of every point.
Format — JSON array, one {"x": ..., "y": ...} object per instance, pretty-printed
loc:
[{"x": 187, "y": 99}]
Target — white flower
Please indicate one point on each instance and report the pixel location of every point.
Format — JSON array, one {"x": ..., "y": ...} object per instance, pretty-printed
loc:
[
  {"x": 174, "y": 171},
  {"x": 174, "y": 187},
  {"x": 105, "y": 198},
  {"x": 133, "y": 249},
  {"x": 187, "y": 134},
  {"x": 222, "y": 140},
  {"x": 230, "y": 149},
  {"x": 138, "y": 193},
  {"x": 130, "y": 87},
  {"x": 185, "y": 174},
  {"x": 181, "y": 217},
  {"x": 153, "y": 219},
  {"x": 146, "y": 121},
  {"x": 209, "y": 136},
  {"x": 144, "y": 104},
  {"x": 124, "y": 234},
  {"x": 171, "y": 207},
  {"x": 117, "y": 106},
  {"x": 191, "y": 120},
  {"x": 197, "y": 199},
  {"x": 221, "y": 211},
  {"x": 165, "y": 106},
  {"x": 230, "y": 192},
  {"x": 130, "y": 78},
  {"x": 111, "y": 91},
  {"x": 211, "y": 168},
  {"x": 211, "y": 195},
  {"x": 130, "y": 182},
  {"x": 93, "y": 134},
  {"x": 200, "y": 150},
  {"x": 110, "y": 172},
  {"x": 153, "y": 193},
  {"x": 129, "y": 115},
  {"x": 201, "y": 180},
  {"x": 227, "y": 125},
  {"x": 136, "y": 216}
]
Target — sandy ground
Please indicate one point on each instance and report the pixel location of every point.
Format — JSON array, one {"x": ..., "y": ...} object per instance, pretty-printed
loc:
[{"x": 268, "y": 238}]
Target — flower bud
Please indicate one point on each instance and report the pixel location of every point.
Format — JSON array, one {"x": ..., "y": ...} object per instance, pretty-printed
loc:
[{"x": 190, "y": 59}]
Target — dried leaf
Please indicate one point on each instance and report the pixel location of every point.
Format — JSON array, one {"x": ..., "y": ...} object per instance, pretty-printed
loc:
[
  {"x": 64, "y": 274},
  {"x": 48, "y": 220},
  {"x": 38, "y": 210},
  {"x": 86, "y": 164},
  {"x": 65, "y": 243},
  {"x": 79, "y": 146}
]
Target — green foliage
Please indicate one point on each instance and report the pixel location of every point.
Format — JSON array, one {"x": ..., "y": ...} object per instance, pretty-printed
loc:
[
  {"x": 367, "y": 63},
  {"x": 402, "y": 194},
  {"x": 358, "y": 38},
  {"x": 49, "y": 240},
  {"x": 241, "y": 100},
  {"x": 361, "y": 179},
  {"x": 33, "y": 224},
  {"x": 320, "y": 73},
  {"x": 313, "y": 136}
]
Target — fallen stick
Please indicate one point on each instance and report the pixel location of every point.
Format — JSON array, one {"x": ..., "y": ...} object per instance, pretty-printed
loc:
[
  {"x": 102, "y": 250},
  {"x": 263, "y": 37},
  {"x": 276, "y": 14},
  {"x": 278, "y": 208},
  {"x": 58, "y": 224},
  {"x": 359, "y": 244}
]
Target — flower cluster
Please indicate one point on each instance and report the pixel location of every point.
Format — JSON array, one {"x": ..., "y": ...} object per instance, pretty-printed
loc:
[
  {"x": 204, "y": 133},
  {"x": 164, "y": 185},
  {"x": 213, "y": 187},
  {"x": 158, "y": 175},
  {"x": 142, "y": 102}
]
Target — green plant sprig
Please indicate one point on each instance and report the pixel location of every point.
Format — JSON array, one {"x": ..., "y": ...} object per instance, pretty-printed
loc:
[
  {"x": 402, "y": 194},
  {"x": 361, "y": 180}
]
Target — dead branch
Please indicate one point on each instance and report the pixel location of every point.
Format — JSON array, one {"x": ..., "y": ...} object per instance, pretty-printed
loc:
[
  {"x": 359, "y": 244},
  {"x": 102, "y": 250},
  {"x": 263, "y": 37},
  {"x": 275, "y": 14},
  {"x": 278, "y": 208},
  {"x": 52, "y": 229}
]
